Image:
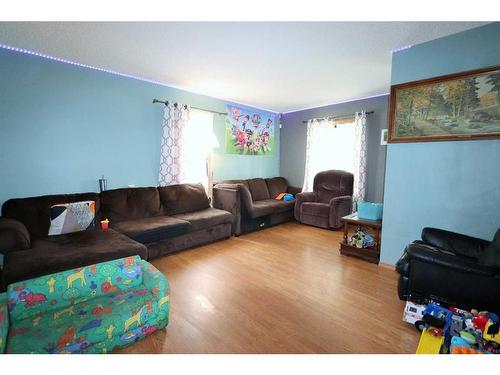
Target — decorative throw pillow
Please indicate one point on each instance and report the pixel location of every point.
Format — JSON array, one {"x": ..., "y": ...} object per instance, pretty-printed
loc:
[
  {"x": 71, "y": 217},
  {"x": 491, "y": 255}
]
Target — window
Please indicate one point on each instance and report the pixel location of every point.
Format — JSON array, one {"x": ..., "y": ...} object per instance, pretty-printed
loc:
[
  {"x": 199, "y": 141},
  {"x": 329, "y": 146}
]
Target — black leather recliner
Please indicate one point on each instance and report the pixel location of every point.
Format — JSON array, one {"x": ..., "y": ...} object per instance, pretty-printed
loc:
[{"x": 449, "y": 267}]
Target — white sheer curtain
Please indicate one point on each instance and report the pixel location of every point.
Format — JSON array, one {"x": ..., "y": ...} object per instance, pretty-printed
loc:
[
  {"x": 337, "y": 145},
  {"x": 175, "y": 120},
  {"x": 199, "y": 141},
  {"x": 330, "y": 145},
  {"x": 359, "y": 159}
]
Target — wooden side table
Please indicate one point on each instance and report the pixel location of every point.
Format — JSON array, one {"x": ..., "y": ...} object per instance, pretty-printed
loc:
[{"x": 372, "y": 227}]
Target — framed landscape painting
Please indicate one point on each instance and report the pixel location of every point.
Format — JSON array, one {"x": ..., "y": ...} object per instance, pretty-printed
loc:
[{"x": 459, "y": 106}]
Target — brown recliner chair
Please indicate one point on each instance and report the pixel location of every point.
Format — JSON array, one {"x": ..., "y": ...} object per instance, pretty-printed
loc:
[{"x": 330, "y": 199}]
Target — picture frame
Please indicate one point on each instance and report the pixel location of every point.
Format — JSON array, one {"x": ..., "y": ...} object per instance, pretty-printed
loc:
[
  {"x": 453, "y": 107},
  {"x": 383, "y": 137}
]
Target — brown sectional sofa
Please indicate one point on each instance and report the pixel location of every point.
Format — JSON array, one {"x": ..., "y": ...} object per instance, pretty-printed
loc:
[
  {"x": 252, "y": 202},
  {"x": 148, "y": 222}
]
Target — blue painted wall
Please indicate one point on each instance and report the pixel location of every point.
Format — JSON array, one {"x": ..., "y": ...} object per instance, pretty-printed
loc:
[
  {"x": 450, "y": 185},
  {"x": 294, "y": 140},
  {"x": 63, "y": 126}
]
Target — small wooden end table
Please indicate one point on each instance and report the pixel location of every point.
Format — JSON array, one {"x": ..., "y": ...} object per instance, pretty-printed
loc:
[{"x": 371, "y": 227}]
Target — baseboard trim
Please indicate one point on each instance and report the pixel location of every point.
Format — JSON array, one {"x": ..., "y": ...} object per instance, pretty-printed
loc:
[{"x": 392, "y": 267}]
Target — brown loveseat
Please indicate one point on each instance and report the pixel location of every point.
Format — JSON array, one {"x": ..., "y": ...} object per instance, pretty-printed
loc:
[
  {"x": 252, "y": 202},
  {"x": 330, "y": 199},
  {"x": 148, "y": 222}
]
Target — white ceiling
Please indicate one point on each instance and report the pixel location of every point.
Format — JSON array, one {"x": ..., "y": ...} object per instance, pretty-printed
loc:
[{"x": 282, "y": 66}]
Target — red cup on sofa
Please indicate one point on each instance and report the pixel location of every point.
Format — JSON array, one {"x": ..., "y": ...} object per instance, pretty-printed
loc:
[{"x": 105, "y": 224}]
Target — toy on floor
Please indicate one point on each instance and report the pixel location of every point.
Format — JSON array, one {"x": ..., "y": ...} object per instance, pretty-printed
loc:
[
  {"x": 459, "y": 331},
  {"x": 413, "y": 312},
  {"x": 430, "y": 343},
  {"x": 361, "y": 239}
]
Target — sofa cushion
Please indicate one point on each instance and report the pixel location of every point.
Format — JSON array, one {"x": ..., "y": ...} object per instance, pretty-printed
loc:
[
  {"x": 206, "y": 218},
  {"x": 333, "y": 183},
  {"x": 34, "y": 212},
  {"x": 258, "y": 188},
  {"x": 181, "y": 198},
  {"x": 57, "y": 291},
  {"x": 316, "y": 209},
  {"x": 60, "y": 253},
  {"x": 86, "y": 324},
  {"x": 269, "y": 207},
  {"x": 276, "y": 185},
  {"x": 152, "y": 229},
  {"x": 130, "y": 203}
]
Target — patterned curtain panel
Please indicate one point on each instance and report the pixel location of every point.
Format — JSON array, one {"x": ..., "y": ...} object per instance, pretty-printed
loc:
[
  {"x": 312, "y": 127},
  {"x": 359, "y": 159},
  {"x": 175, "y": 120}
]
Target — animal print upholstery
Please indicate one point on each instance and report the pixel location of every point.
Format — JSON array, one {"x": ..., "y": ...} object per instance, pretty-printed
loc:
[{"x": 93, "y": 309}]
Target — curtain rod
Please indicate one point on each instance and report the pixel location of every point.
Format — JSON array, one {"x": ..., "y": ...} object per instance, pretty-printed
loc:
[
  {"x": 335, "y": 117},
  {"x": 200, "y": 109}
]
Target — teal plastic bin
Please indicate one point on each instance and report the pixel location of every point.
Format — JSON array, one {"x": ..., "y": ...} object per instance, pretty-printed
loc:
[{"x": 370, "y": 211}]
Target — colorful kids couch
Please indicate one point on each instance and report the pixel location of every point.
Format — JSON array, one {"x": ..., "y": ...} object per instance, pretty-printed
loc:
[{"x": 93, "y": 309}]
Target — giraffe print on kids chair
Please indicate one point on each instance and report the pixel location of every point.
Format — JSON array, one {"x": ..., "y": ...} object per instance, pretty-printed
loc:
[
  {"x": 78, "y": 275},
  {"x": 94, "y": 309}
]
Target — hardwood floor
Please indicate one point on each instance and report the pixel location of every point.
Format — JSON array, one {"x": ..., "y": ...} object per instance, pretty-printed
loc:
[{"x": 284, "y": 289}]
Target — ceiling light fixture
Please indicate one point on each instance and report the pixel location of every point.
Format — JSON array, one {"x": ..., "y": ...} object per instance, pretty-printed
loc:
[
  {"x": 401, "y": 48},
  {"x": 64, "y": 61},
  {"x": 341, "y": 102}
]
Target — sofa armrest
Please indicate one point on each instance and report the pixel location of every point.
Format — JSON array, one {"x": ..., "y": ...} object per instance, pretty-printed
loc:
[
  {"x": 13, "y": 236},
  {"x": 4, "y": 322},
  {"x": 155, "y": 281},
  {"x": 307, "y": 196},
  {"x": 454, "y": 242},
  {"x": 294, "y": 190},
  {"x": 339, "y": 207},
  {"x": 424, "y": 253},
  {"x": 228, "y": 199}
]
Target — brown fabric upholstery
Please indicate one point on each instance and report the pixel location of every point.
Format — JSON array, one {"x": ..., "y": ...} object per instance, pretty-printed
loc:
[
  {"x": 178, "y": 199},
  {"x": 315, "y": 213},
  {"x": 206, "y": 218},
  {"x": 59, "y": 253},
  {"x": 316, "y": 209},
  {"x": 191, "y": 239},
  {"x": 152, "y": 229},
  {"x": 231, "y": 183},
  {"x": 34, "y": 212},
  {"x": 130, "y": 203},
  {"x": 294, "y": 190},
  {"x": 269, "y": 206},
  {"x": 229, "y": 200},
  {"x": 331, "y": 189},
  {"x": 333, "y": 183},
  {"x": 307, "y": 196},
  {"x": 137, "y": 212},
  {"x": 258, "y": 189},
  {"x": 13, "y": 236},
  {"x": 276, "y": 185},
  {"x": 252, "y": 202},
  {"x": 339, "y": 207}
]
